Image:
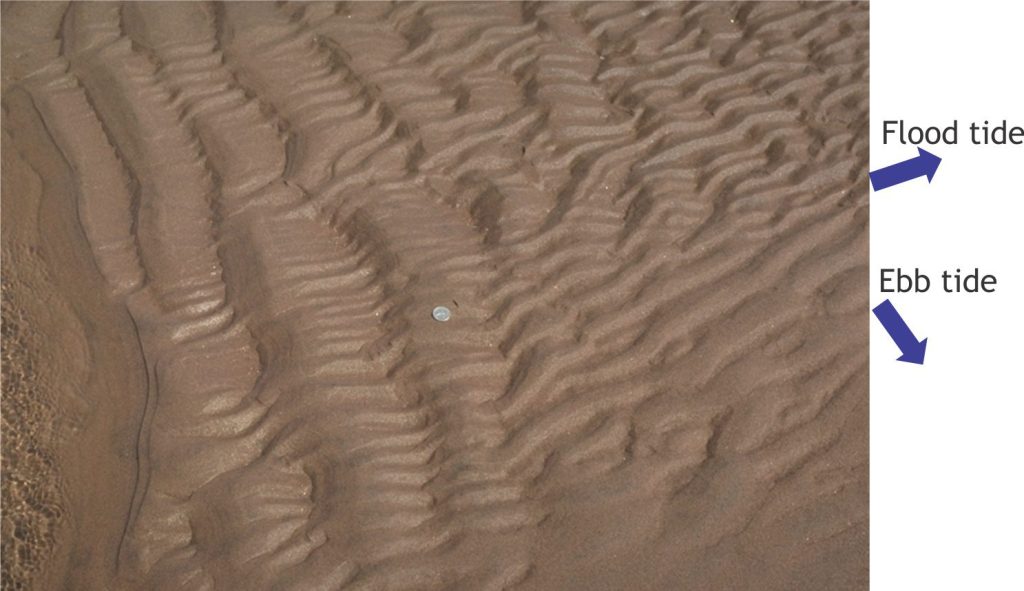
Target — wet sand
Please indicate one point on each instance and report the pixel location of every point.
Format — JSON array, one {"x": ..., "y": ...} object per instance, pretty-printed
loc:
[{"x": 225, "y": 227}]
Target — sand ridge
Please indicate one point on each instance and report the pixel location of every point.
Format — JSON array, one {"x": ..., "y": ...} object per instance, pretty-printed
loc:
[{"x": 649, "y": 223}]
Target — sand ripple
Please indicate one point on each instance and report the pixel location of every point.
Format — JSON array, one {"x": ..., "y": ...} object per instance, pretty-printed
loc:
[{"x": 649, "y": 222}]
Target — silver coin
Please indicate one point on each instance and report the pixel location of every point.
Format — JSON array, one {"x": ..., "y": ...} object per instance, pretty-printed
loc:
[{"x": 441, "y": 314}]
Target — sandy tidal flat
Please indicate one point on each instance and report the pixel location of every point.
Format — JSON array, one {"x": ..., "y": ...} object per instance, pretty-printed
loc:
[{"x": 226, "y": 226}]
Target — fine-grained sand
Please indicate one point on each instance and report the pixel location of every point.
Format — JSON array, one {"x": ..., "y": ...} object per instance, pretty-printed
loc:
[{"x": 225, "y": 227}]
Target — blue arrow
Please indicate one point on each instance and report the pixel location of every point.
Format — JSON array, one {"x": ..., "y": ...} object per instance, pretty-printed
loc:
[
  {"x": 925, "y": 164},
  {"x": 913, "y": 350}
]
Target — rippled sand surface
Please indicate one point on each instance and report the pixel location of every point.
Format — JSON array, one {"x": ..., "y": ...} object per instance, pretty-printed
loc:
[{"x": 225, "y": 228}]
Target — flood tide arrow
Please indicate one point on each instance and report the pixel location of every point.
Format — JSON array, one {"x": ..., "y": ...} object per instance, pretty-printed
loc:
[
  {"x": 925, "y": 164},
  {"x": 913, "y": 350}
]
